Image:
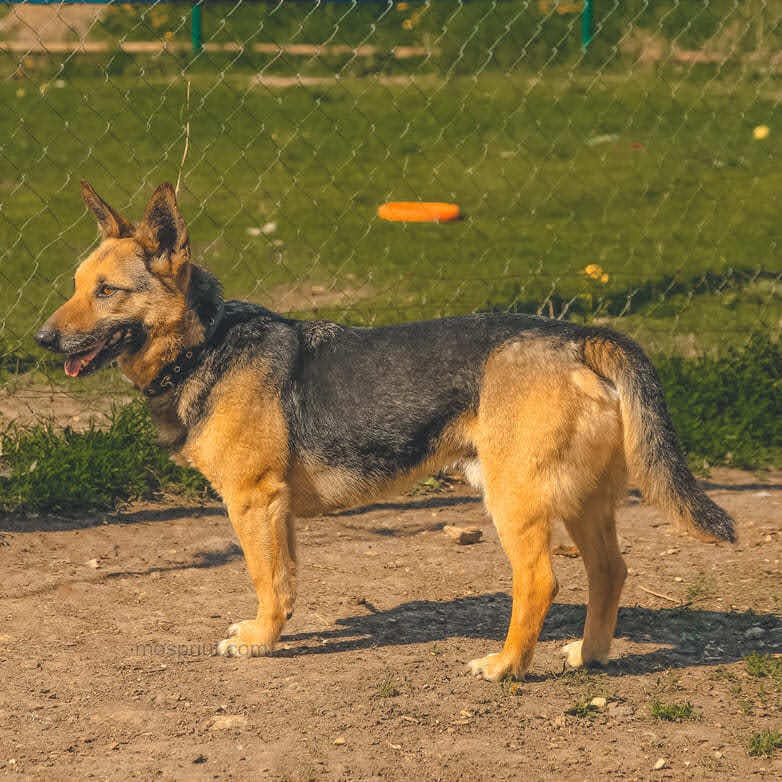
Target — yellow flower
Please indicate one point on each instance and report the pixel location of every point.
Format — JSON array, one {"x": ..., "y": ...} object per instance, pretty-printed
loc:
[
  {"x": 593, "y": 271},
  {"x": 402, "y": 6},
  {"x": 761, "y": 132},
  {"x": 169, "y": 35},
  {"x": 407, "y": 24},
  {"x": 604, "y": 278}
]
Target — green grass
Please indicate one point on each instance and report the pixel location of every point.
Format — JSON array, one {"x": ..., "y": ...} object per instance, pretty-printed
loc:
[
  {"x": 726, "y": 407},
  {"x": 763, "y": 666},
  {"x": 672, "y": 712},
  {"x": 46, "y": 470},
  {"x": 764, "y": 743}
]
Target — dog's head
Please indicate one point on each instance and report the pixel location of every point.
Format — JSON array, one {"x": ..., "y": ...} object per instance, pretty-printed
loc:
[{"x": 132, "y": 288}]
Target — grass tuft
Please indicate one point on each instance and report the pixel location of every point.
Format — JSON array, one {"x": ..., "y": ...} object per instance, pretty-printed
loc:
[
  {"x": 764, "y": 666},
  {"x": 48, "y": 470},
  {"x": 387, "y": 688},
  {"x": 764, "y": 743},
  {"x": 672, "y": 712},
  {"x": 583, "y": 709}
]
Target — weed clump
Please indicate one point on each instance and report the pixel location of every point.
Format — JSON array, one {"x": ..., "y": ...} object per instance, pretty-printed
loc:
[
  {"x": 672, "y": 712},
  {"x": 48, "y": 470},
  {"x": 764, "y": 743}
]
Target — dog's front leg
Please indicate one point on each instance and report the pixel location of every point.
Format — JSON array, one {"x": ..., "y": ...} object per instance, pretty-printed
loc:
[{"x": 262, "y": 520}]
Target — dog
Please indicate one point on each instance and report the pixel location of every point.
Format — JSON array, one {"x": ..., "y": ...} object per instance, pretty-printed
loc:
[{"x": 291, "y": 418}]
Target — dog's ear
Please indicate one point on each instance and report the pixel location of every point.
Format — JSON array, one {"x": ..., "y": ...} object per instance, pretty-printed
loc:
[
  {"x": 163, "y": 234},
  {"x": 112, "y": 224}
]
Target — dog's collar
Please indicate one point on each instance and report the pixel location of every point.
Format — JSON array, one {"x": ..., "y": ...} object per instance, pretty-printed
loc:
[{"x": 178, "y": 370}]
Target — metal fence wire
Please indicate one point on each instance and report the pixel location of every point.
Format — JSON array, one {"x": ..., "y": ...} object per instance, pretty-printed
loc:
[{"x": 614, "y": 162}]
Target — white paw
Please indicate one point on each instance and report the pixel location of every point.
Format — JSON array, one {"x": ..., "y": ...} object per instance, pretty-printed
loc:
[
  {"x": 575, "y": 656},
  {"x": 245, "y": 639},
  {"x": 492, "y": 668},
  {"x": 572, "y": 653}
]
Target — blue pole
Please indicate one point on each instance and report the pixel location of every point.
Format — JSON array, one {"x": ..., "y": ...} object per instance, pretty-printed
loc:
[
  {"x": 195, "y": 27},
  {"x": 586, "y": 24}
]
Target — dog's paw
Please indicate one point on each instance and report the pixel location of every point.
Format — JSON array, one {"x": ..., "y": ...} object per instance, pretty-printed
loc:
[
  {"x": 249, "y": 638},
  {"x": 493, "y": 668},
  {"x": 574, "y": 656}
]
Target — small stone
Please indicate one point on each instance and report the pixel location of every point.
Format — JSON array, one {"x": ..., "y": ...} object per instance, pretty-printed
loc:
[
  {"x": 719, "y": 755},
  {"x": 227, "y": 722},
  {"x": 660, "y": 764},
  {"x": 598, "y": 703},
  {"x": 268, "y": 228},
  {"x": 199, "y": 759},
  {"x": 254, "y": 231},
  {"x": 464, "y": 536},
  {"x": 93, "y": 563},
  {"x": 339, "y": 741},
  {"x": 755, "y": 632},
  {"x": 678, "y": 579}
]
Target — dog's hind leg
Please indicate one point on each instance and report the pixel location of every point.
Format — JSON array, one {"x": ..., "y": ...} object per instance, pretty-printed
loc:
[
  {"x": 523, "y": 524},
  {"x": 263, "y": 523},
  {"x": 593, "y": 530},
  {"x": 519, "y": 449}
]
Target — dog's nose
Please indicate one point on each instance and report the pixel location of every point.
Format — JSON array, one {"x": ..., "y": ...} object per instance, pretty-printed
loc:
[{"x": 47, "y": 338}]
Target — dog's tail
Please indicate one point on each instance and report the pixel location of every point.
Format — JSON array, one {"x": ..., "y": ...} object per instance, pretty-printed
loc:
[{"x": 654, "y": 457}]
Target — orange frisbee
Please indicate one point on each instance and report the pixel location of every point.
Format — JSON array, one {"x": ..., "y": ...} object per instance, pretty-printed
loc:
[{"x": 418, "y": 212}]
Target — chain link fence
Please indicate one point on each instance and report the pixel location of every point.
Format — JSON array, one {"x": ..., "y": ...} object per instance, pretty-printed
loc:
[{"x": 613, "y": 164}]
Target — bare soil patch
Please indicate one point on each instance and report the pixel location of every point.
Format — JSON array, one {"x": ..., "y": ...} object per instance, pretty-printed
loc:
[
  {"x": 308, "y": 296},
  {"x": 108, "y": 623},
  {"x": 34, "y": 404}
]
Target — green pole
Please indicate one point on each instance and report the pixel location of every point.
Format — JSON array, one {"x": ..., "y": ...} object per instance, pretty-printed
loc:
[
  {"x": 195, "y": 28},
  {"x": 586, "y": 24}
]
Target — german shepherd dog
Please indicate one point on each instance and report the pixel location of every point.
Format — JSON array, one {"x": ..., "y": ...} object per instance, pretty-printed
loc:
[{"x": 291, "y": 418}]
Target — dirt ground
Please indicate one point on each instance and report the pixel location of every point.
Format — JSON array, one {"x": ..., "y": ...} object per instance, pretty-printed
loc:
[{"x": 109, "y": 623}]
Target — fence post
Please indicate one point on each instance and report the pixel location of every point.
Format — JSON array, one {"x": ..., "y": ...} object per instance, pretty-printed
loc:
[
  {"x": 195, "y": 26},
  {"x": 586, "y": 24}
]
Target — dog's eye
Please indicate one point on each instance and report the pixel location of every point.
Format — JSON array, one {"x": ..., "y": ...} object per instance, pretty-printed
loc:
[{"x": 105, "y": 290}]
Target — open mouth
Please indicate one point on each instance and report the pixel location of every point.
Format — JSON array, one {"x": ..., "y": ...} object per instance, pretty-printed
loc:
[{"x": 85, "y": 361}]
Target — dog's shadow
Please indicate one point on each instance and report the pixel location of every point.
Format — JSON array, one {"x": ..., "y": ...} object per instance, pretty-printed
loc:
[{"x": 690, "y": 637}]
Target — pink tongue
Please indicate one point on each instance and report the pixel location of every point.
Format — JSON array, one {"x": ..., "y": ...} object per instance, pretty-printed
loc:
[{"x": 75, "y": 364}]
